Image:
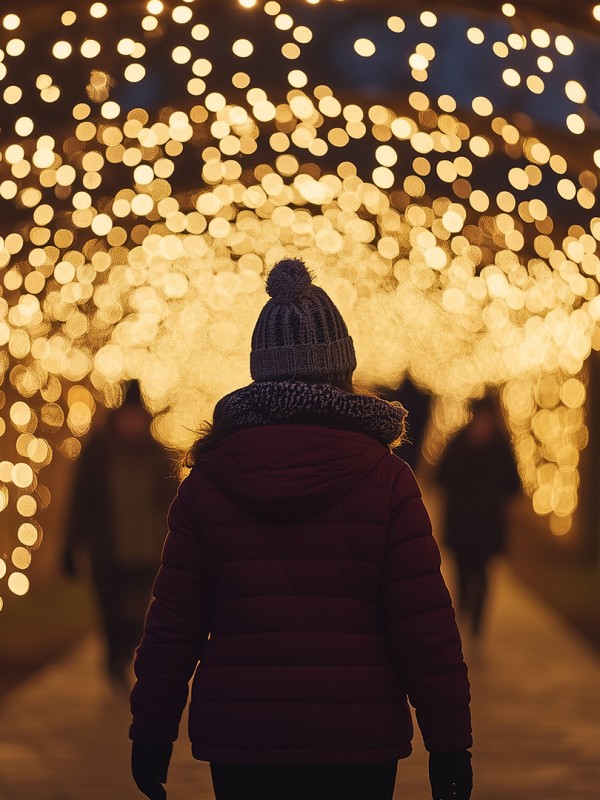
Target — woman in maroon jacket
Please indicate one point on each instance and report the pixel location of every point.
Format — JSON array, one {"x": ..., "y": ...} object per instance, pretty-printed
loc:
[{"x": 301, "y": 583}]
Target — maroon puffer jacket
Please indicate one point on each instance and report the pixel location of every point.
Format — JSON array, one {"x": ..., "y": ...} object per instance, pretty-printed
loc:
[{"x": 300, "y": 571}]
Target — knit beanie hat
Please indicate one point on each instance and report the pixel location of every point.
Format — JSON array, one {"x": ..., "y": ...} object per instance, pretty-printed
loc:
[{"x": 299, "y": 332}]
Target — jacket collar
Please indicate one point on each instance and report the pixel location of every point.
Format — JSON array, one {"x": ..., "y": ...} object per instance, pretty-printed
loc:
[{"x": 294, "y": 402}]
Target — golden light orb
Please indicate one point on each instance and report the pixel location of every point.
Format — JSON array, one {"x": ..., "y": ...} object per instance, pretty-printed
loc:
[
  {"x": 365, "y": 47},
  {"x": 118, "y": 242}
]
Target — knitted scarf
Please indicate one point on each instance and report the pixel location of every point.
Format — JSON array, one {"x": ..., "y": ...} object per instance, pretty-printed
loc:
[{"x": 281, "y": 402}]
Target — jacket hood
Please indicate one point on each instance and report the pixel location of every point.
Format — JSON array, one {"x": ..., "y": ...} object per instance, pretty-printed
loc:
[
  {"x": 294, "y": 447},
  {"x": 284, "y": 472}
]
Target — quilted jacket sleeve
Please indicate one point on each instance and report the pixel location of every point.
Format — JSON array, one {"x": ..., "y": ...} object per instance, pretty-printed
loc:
[
  {"x": 420, "y": 623},
  {"x": 176, "y": 627}
]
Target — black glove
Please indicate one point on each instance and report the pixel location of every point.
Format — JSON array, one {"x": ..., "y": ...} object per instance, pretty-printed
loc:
[
  {"x": 450, "y": 775},
  {"x": 149, "y": 765}
]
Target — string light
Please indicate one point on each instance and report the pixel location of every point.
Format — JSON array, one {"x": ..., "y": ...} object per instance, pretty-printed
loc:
[{"x": 436, "y": 275}]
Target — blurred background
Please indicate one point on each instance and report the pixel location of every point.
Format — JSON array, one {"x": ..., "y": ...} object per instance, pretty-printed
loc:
[{"x": 436, "y": 166}]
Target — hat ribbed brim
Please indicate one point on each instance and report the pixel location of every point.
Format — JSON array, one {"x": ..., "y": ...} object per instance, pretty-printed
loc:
[{"x": 324, "y": 358}]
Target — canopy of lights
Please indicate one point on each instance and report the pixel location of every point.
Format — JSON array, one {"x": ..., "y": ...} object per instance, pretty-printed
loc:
[{"x": 156, "y": 159}]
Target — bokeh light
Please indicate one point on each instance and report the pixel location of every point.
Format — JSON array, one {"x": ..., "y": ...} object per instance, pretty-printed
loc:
[{"x": 140, "y": 216}]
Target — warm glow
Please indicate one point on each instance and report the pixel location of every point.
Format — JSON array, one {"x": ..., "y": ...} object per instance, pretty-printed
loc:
[
  {"x": 11, "y": 22},
  {"x": 564, "y": 45},
  {"x": 98, "y": 10},
  {"x": 475, "y": 35},
  {"x": 364, "y": 47},
  {"x": 62, "y": 50},
  {"x": 137, "y": 239},
  {"x": 243, "y": 48}
]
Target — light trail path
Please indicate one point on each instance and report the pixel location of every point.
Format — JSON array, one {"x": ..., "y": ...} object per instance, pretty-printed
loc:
[{"x": 536, "y": 687}]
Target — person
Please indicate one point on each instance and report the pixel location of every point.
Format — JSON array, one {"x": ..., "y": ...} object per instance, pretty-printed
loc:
[
  {"x": 300, "y": 581},
  {"x": 123, "y": 486},
  {"x": 479, "y": 475},
  {"x": 418, "y": 403}
]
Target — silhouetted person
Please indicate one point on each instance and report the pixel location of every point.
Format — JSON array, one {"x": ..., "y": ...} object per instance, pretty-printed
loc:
[
  {"x": 417, "y": 403},
  {"x": 300, "y": 585},
  {"x": 122, "y": 490},
  {"x": 479, "y": 473}
]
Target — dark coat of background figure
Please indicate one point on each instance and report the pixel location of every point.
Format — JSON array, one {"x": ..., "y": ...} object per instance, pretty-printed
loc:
[
  {"x": 121, "y": 494},
  {"x": 418, "y": 404},
  {"x": 479, "y": 475}
]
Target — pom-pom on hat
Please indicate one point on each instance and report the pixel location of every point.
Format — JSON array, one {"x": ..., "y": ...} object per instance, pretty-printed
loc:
[{"x": 300, "y": 332}]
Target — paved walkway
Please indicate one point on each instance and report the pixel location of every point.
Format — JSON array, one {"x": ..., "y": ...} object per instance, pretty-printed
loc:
[{"x": 536, "y": 687}]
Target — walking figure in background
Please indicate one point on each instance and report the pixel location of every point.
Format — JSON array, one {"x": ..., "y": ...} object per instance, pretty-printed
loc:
[
  {"x": 301, "y": 572},
  {"x": 122, "y": 490},
  {"x": 417, "y": 403},
  {"x": 479, "y": 475}
]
